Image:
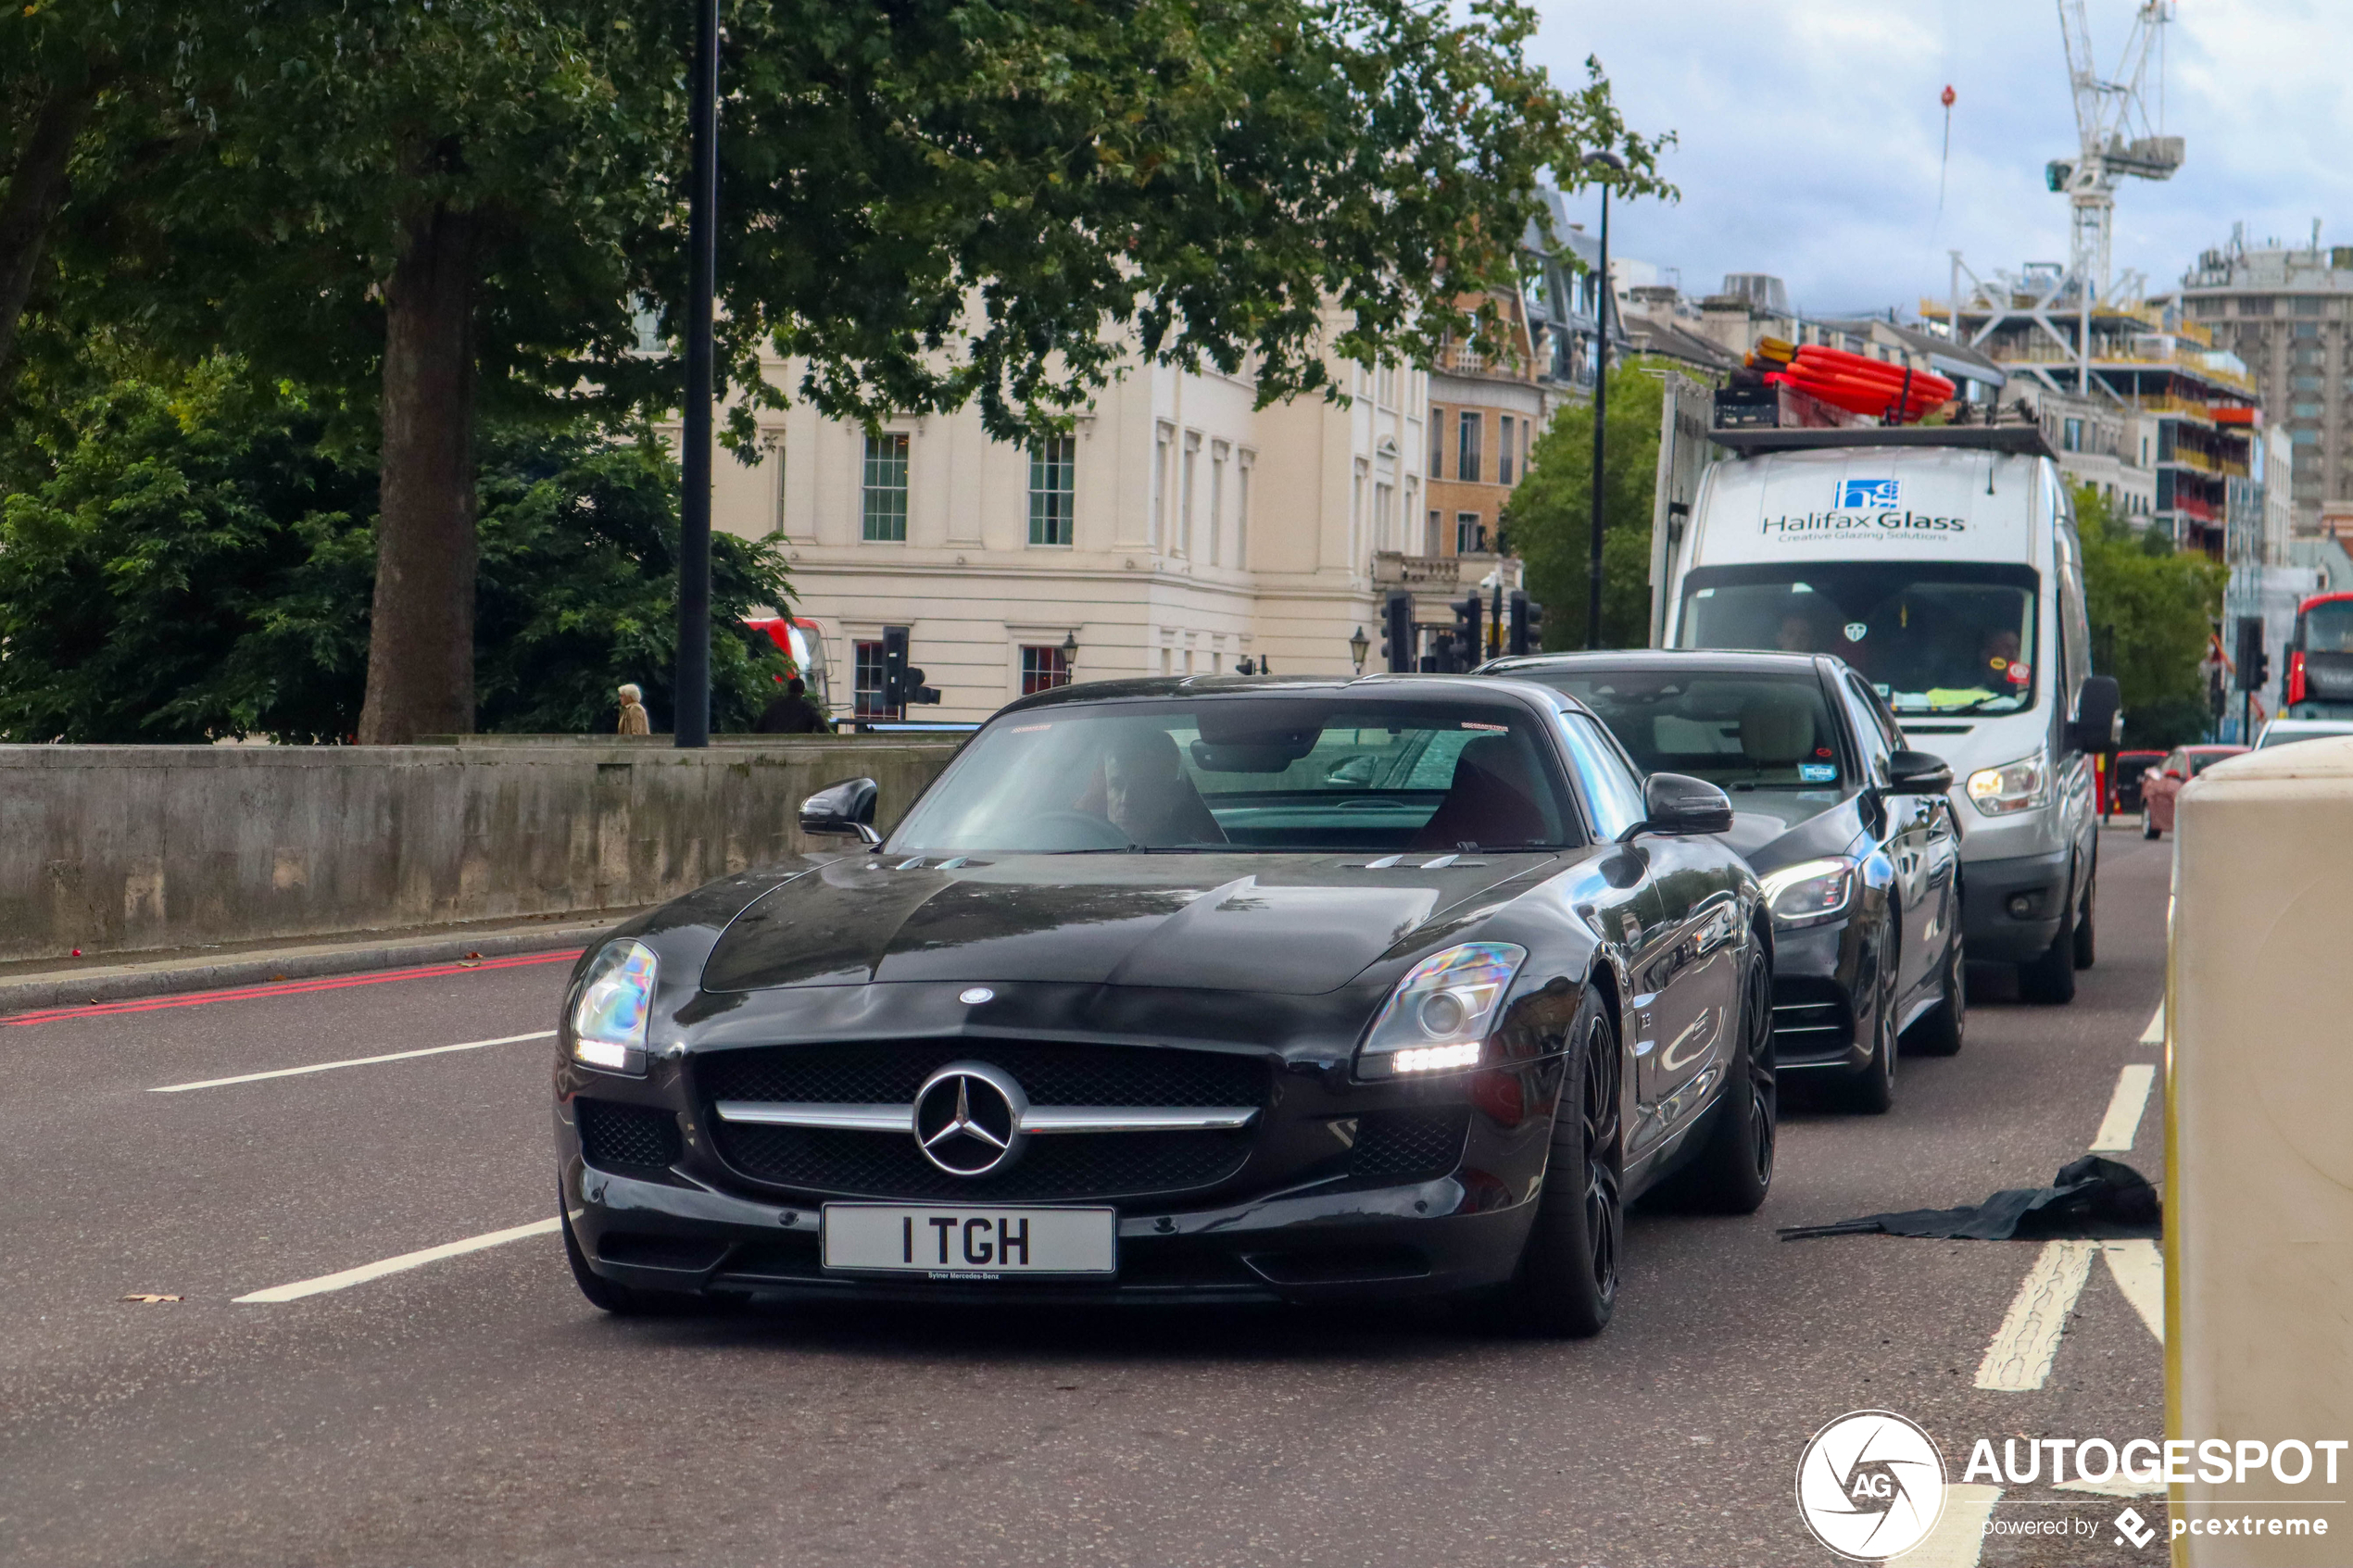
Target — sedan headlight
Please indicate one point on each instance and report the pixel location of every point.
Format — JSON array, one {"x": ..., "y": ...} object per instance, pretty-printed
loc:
[
  {"x": 2014, "y": 786},
  {"x": 1441, "y": 1014},
  {"x": 1809, "y": 892},
  {"x": 616, "y": 997}
]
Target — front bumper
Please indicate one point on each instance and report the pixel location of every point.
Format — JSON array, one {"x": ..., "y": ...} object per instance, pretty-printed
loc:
[
  {"x": 1989, "y": 930},
  {"x": 1298, "y": 1220},
  {"x": 1821, "y": 996}
]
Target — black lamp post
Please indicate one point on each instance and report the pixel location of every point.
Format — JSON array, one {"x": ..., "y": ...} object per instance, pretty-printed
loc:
[
  {"x": 1070, "y": 656},
  {"x": 691, "y": 724},
  {"x": 1358, "y": 646},
  {"x": 1600, "y": 397}
]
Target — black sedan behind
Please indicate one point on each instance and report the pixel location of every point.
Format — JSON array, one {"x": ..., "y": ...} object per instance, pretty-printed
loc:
[
  {"x": 1190, "y": 990},
  {"x": 1851, "y": 835}
]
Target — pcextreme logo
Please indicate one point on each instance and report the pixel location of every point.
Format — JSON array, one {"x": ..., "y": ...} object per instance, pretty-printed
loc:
[{"x": 1870, "y": 1486}]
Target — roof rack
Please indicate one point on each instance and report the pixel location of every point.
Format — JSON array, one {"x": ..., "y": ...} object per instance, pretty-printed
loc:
[{"x": 2021, "y": 440}]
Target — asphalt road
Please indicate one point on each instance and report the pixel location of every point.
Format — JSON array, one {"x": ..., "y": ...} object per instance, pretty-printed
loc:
[{"x": 474, "y": 1409}]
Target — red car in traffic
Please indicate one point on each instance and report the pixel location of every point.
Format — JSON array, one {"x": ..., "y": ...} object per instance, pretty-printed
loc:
[{"x": 2161, "y": 785}]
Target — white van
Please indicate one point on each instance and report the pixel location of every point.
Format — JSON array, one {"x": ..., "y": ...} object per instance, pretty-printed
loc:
[{"x": 1943, "y": 565}]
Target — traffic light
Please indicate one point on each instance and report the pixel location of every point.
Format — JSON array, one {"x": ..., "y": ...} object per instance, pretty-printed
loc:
[
  {"x": 1397, "y": 631},
  {"x": 1527, "y": 635},
  {"x": 1467, "y": 651},
  {"x": 901, "y": 682},
  {"x": 2252, "y": 663}
]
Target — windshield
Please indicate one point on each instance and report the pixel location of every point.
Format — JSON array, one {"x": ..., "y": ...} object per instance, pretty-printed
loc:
[
  {"x": 1275, "y": 772},
  {"x": 1767, "y": 731},
  {"x": 1936, "y": 639},
  {"x": 2328, "y": 627},
  {"x": 2202, "y": 760}
]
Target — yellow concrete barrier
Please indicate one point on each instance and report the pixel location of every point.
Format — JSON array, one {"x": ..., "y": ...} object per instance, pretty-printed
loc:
[{"x": 2258, "y": 1160}]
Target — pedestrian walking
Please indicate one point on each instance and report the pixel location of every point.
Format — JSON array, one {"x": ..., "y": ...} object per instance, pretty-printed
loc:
[
  {"x": 632, "y": 712},
  {"x": 791, "y": 714}
]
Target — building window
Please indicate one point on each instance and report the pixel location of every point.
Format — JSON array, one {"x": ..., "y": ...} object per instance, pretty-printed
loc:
[
  {"x": 1218, "y": 453},
  {"x": 886, "y": 489},
  {"x": 1527, "y": 452},
  {"x": 1504, "y": 448},
  {"x": 2255, "y": 305},
  {"x": 1470, "y": 534},
  {"x": 1243, "y": 461},
  {"x": 2309, "y": 304},
  {"x": 866, "y": 673},
  {"x": 1385, "y": 517},
  {"x": 1043, "y": 668},
  {"x": 1054, "y": 485},
  {"x": 1466, "y": 451},
  {"x": 2071, "y": 436},
  {"x": 1437, "y": 527},
  {"x": 1185, "y": 494},
  {"x": 1437, "y": 441}
]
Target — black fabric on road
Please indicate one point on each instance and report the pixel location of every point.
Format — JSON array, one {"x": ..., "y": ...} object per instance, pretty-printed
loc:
[{"x": 2092, "y": 1199}]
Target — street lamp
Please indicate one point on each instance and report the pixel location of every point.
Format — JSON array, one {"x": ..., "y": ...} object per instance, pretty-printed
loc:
[
  {"x": 1358, "y": 646},
  {"x": 1607, "y": 160},
  {"x": 690, "y": 725},
  {"x": 1070, "y": 655}
]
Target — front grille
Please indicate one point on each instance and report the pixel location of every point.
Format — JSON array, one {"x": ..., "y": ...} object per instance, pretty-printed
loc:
[
  {"x": 888, "y": 1073},
  {"x": 1055, "y": 1166},
  {"x": 1409, "y": 1144},
  {"x": 1060, "y": 1166},
  {"x": 1810, "y": 1018},
  {"x": 626, "y": 1137}
]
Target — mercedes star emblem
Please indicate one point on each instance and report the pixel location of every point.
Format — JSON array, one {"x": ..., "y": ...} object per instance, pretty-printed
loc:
[
  {"x": 968, "y": 1118},
  {"x": 975, "y": 995}
]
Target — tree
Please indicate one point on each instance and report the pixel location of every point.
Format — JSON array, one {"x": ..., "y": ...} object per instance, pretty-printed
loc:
[
  {"x": 199, "y": 562},
  {"x": 412, "y": 210},
  {"x": 2152, "y": 611},
  {"x": 1552, "y": 518}
]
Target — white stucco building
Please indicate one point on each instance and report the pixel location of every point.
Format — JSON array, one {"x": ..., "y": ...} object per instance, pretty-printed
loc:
[{"x": 1174, "y": 530}]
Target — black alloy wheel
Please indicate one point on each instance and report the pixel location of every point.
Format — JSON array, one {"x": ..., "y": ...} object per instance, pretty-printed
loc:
[
  {"x": 1942, "y": 1031},
  {"x": 1872, "y": 1091},
  {"x": 2149, "y": 824},
  {"x": 2086, "y": 949},
  {"x": 1733, "y": 1171},
  {"x": 2049, "y": 978},
  {"x": 1567, "y": 1286}
]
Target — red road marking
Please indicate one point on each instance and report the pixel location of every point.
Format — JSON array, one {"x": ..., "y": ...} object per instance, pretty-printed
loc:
[{"x": 289, "y": 987}]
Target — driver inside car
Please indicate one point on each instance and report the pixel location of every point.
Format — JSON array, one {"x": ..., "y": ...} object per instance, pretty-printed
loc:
[{"x": 1141, "y": 790}]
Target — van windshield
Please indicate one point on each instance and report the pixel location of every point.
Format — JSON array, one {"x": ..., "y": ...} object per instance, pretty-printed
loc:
[{"x": 1955, "y": 638}]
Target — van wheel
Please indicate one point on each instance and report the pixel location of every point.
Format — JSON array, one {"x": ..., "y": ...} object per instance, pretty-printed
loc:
[
  {"x": 2050, "y": 978},
  {"x": 2084, "y": 949}
]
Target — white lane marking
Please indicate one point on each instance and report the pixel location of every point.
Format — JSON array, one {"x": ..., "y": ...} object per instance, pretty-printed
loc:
[
  {"x": 2122, "y": 1123},
  {"x": 2019, "y": 1357},
  {"x": 2155, "y": 1033},
  {"x": 349, "y": 1061},
  {"x": 2138, "y": 1269},
  {"x": 367, "y": 1272},
  {"x": 1958, "y": 1539}
]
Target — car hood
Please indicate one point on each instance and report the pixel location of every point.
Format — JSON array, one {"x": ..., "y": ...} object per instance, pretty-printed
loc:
[
  {"x": 1296, "y": 924},
  {"x": 1777, "y": 827}
]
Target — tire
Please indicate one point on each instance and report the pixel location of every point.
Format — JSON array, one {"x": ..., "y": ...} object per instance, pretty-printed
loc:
[
  {"x": 2149, "y": 824},
  {"x": 1872, "y": 1091},
  {"x": 2050, "y": 979},
  {"x": 2087, "y": 946},
  {"x": 1942, "y": 1032},
  {"x": 1566, "y": 1284},
  {"x": 622, "y": 1301},
  {"x": 1735, "y": 1169}
]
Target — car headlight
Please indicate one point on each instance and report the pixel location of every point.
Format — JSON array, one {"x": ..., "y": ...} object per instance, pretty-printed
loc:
[
  {"x": 2014, "y": 786},
  {"x": 1439, "y": 1017},
  {"x": 1809, "y": 892},
  {"x": 616, "y": 997}
]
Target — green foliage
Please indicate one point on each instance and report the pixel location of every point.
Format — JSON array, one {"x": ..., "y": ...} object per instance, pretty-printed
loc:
[
  {"x": 2151, "y": 612},
  {"x": 1551, "y": 520},
  {"x": 197, "y": 562}
]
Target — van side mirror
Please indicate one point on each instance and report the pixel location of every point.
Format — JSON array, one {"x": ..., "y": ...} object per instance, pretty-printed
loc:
[
  {"x": 2099, "y": 714},
  {"x": 842, "y": 808},
  {"x": 1917, "y": 773},
  {"x": 1680, "y": 807}
]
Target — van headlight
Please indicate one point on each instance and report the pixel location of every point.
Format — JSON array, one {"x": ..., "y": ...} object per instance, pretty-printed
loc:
[
  {"x": 616, "y": 999},
  {"x": 1809, "y": 892},
  {"x": 1439, "y": 1017},
  {"x": 2014, "y": 786}
]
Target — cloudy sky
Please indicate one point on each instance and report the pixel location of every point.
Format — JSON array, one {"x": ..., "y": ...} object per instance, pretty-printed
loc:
[{"x": 1809, "y": 134}]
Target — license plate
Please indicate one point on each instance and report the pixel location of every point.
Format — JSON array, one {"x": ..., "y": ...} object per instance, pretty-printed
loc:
[{"x": 968, "y": 1243}]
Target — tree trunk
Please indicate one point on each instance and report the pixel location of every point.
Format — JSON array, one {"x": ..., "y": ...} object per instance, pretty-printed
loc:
[
  {"x": 36, "y": 186},
  {"x": 420, "y": 646}
]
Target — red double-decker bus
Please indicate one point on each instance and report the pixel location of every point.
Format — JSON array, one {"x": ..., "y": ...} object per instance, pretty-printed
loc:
[{"x": 2318, "y": 679}]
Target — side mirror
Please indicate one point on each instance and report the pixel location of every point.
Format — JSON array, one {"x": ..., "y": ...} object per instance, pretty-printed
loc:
[
  {"x": 1680, "y": 807},
  {"x": 2099, "y": 714},
  {"x": 842, "y": 808},
  {"x": 1917, "y": 773}
]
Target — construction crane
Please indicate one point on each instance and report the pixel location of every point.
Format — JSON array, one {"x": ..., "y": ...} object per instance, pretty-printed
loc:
[{"x": 2117, "y": 137}]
